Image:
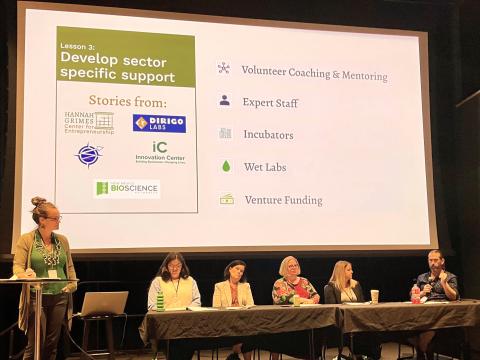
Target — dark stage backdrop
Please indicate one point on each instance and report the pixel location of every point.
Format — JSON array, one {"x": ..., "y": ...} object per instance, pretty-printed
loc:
[{"x": 391, "y": 275}]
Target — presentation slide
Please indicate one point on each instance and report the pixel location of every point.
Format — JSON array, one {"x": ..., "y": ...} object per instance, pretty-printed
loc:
[{"x": 156, "y": 131}]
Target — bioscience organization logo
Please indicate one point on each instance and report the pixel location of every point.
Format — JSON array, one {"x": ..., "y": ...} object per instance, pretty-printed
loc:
[
  {"x": 126, "y": 189},
  {"x": 160, "y": 123},
  {"x": 89, "y": 123}
]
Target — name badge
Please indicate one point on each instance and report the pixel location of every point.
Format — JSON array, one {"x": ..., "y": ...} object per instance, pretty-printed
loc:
[{"x": 52, "y": 274}]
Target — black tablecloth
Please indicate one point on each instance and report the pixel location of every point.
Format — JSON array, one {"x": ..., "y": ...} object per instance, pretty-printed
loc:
[
  {"x": 406, "y": 316},
  {"x": 264, "y": 319},
  {"x": 271, "y": 319}
]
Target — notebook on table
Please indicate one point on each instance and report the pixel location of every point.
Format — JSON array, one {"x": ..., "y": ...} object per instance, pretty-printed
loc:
[{"x": 104, "y": 303}]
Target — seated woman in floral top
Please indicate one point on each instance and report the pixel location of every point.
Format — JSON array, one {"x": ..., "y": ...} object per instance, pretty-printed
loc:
[
  {"x": 291, "y": 284},
  {"x": 284, "y": 289}
]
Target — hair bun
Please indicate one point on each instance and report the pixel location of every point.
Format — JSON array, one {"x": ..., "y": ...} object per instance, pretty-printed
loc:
[{"x": 37, "y": 200}]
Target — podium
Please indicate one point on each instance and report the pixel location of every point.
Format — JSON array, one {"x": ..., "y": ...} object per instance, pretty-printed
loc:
[{"x": 37, "y": 284}]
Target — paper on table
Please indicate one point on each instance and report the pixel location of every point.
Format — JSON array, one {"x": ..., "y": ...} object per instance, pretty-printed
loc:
[
  {"x": 35, "y": 279},
  {"x": 176, "y": 309},
  {"x": 239, "y": 307},
  {"x": 198, "y": 308},
  {"x": 357, "y": 303}
]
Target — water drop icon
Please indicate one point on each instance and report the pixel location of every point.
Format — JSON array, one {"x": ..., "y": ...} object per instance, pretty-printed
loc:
[{"x": 226, "y": 166}]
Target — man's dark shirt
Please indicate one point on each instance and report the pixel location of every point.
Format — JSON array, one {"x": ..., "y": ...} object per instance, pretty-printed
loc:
[{"x": 437, "y": 292}]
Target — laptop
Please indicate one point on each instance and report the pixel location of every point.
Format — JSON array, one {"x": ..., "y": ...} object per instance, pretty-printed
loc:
[{"x": 104, "y": 303}]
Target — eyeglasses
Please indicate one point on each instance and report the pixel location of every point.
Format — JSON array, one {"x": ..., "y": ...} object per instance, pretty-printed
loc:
[
  {"x": 174, "y": 267},
  {"x": 57, "y": 218},
  {"x": 292, "y": 266}
]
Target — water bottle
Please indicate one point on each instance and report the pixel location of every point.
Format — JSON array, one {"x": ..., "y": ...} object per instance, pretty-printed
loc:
[
  {"x": 160, "y": 303},
  {"x": 415, "y": 294}
]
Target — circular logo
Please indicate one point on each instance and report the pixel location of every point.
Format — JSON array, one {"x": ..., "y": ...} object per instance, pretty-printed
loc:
[{"x": 88, "y": 155}]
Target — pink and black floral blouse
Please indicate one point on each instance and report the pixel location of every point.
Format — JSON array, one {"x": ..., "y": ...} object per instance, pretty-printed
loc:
[{"x": 283, "y": 291}]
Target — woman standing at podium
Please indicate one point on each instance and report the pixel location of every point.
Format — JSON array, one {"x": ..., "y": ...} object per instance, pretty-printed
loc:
[{"x": 44, "y": 254}]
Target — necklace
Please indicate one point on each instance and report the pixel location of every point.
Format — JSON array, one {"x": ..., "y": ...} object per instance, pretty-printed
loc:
[
  {"x": 293, "y": 283},
  {"x": 350, "y": 294},
  {"x": 50, "y": 258},
  {"x": 176, "y": 288},
  {"x": 234, "y": 292}
]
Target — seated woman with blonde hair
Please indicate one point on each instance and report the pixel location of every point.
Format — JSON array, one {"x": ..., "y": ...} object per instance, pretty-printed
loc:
[
  {"x": 283, "y": 293},
  {"x": 291, "y": 284},
  {"x": 342, "y": 288}
]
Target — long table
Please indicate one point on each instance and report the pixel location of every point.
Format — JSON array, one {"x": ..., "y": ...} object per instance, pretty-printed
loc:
[
  {"x": 263, "y": 319},
  {"x": 268, "y": 319},
  {"x": 406, "y": 316}
]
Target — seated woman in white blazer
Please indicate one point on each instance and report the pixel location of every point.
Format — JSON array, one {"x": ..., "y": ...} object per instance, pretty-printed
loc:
[{"x": 234, "y": 291}]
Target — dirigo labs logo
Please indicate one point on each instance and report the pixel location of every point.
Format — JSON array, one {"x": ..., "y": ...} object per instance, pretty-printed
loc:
[
  {"x": 126, "y": 189},
  {"x": 160, "y": 123},
  {"x": 89, "y": 154}
]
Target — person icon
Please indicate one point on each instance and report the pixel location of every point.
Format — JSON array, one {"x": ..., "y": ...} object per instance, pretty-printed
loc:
[{"x": 224, "y": 101}]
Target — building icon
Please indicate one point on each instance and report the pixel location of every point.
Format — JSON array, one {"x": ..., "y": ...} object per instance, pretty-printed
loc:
[{"x": 104, "y": 120}]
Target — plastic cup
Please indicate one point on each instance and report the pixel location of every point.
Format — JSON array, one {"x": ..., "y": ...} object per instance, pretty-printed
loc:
[
  {"x": 296, "y": 300},
  {"x": 374, "y": 294}
]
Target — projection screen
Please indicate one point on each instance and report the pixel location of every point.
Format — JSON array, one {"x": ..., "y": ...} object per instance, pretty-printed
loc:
[{"x": 155, "y": 131}]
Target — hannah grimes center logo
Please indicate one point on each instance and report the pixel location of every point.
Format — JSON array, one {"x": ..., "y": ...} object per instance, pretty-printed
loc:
[{"x": 89, "y": 154}]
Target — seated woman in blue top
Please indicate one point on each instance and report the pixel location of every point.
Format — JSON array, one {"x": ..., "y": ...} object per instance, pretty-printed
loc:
[{"x": 342, "y": 288}]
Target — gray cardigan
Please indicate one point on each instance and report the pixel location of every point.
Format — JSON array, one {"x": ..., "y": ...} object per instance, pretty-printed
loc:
[{"x": 21, "y": 262}]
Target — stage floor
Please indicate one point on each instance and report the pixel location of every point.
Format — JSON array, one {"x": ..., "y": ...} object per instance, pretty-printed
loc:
[{"x": 389, "y": 352}]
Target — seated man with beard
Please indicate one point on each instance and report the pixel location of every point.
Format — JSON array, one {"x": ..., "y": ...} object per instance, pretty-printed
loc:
[{"x": 437, "y": 284}]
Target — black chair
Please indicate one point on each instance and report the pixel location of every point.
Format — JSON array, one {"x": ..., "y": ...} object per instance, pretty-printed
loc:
[
  {"x": 107, "y": 319},
  {"x": 102, "y": 307},
  {"x": 299, "y": 344},
  {"x": 405, "y": 357},
  {"x": 450, "y": 342},
  {"x": 335, "y": 338}
]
